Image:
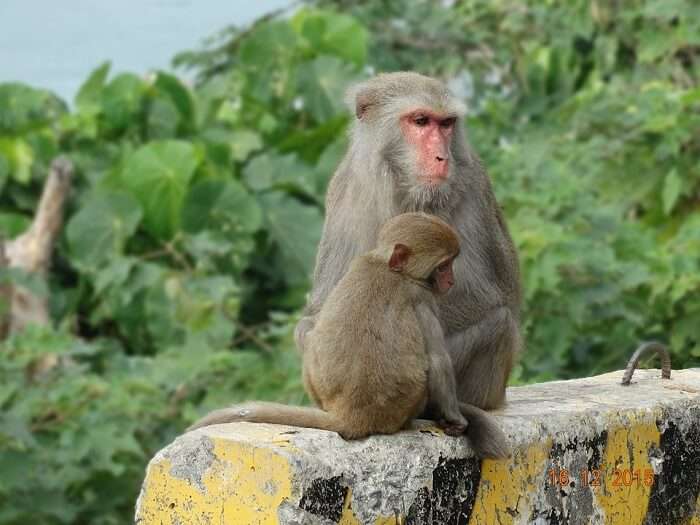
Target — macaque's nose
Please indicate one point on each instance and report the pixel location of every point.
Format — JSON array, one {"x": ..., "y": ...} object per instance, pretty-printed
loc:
[{"x": 440, "y": 158}]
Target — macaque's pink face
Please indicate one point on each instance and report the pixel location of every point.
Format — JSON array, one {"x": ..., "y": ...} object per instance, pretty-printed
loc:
[
  {"x": 430, "y": 133},
  {"x": 444, "y": 277}
]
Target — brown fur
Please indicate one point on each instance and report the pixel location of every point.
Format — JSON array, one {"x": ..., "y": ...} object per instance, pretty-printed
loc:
[{"x": 377, "y": 348}]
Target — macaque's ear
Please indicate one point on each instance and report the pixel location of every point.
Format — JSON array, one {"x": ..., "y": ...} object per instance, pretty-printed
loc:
[
  {"x": 399, "y": 257},
  {"x": 363, "y": 101},
  {"x": 361, "y": 98}
]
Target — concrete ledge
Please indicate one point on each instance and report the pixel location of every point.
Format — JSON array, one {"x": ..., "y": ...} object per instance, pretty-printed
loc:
[{"x": 587, "y": 451}]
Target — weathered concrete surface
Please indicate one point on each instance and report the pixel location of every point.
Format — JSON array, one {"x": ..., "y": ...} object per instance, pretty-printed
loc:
[{"x": 587, "y": 451}]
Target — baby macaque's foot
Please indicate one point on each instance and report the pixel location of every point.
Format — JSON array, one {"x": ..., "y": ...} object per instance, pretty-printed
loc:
[{"x": 453, "y": 426}]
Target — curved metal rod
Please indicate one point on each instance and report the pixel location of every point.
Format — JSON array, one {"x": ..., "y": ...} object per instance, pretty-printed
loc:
[{"x": 660, "y": 349}]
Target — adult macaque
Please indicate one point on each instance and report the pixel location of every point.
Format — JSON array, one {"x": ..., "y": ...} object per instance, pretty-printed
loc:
[
  {"x": 377, "y": 355},
  {"x": 408, "y": 153}
]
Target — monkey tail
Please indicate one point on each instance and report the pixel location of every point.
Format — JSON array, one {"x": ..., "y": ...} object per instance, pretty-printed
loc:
[
  {"x": 264, "y": 412},
  {"x": 487, "y": 439}
]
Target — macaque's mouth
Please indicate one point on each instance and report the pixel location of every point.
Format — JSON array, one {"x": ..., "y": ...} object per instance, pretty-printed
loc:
[{"x": 433, "y": 180}]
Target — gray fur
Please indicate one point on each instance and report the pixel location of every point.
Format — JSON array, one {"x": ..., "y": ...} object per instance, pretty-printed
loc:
[{"x": 377, "y": 180}]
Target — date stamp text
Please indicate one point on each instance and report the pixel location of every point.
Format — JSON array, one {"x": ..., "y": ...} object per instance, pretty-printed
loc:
[{"x": 621, "y": 477}]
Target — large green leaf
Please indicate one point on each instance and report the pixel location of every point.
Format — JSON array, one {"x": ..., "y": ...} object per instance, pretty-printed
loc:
[
  {"x": 268, "y": 44},
  {"x": 296, "y": 230},
  {"x": 163, "y": 119},
  {"x": 4, "y": 170},
  {"x": 12, "y": 224},
  {"x": 158, "y": 175},
  {"x": 190, "y": 307},
  {"x": 101, "y": 228},
  {"x": 122, "y": 101},
  {"x": 221, "y": 204},
  {"x": 672, "y": 190},
  {"x": 322, "y": 84},
  {"x": 279, "y": 171},
  {"x": 89, "y": 94},
  {"x": 310, "y": 143},
  {"x": 23, "y": 108},
  {"x": 243, "y": 143},
  {"x": 179, "y": 95},
  {"x": 20, "y": 156},
  {"x": 333, "y": 33}
]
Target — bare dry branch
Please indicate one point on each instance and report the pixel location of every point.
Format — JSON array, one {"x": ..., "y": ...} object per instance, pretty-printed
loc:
[
  {"x": 31, "y": 251},
  {"x": 5, "y": 294}
]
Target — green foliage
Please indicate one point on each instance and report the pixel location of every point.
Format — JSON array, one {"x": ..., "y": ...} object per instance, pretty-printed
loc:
[
  {"x": 586, "y": 114},
  {"x": 193, "y": 225},
  {"x": 80, "y": 420},
  {"x": 158, "y": 175}
]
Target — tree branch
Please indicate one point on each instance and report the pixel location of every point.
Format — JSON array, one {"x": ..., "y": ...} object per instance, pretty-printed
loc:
[{"x": 31, "y": 251}]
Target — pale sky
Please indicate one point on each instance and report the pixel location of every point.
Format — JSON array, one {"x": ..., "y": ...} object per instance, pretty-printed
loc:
[{"x": 55, "y": 45}]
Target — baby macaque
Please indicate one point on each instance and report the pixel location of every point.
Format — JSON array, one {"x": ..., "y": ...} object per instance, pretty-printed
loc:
[{"x": 376, "y": 357}]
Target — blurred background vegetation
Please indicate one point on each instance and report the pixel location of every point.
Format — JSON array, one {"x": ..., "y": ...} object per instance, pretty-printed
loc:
[{"x": 192, "y": 227}]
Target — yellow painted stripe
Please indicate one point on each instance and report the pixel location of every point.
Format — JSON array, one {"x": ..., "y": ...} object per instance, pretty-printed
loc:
[
  {"x": 166, "y": 497},
  {"x": 695, "y": 520},
  {"x": 622, "y": 498},
  {"x": 393, "y": 520},
  {"x": 348, "y": 516},
  {"x": 510, "y": 484},
  {"x": 245, "y": 484}
]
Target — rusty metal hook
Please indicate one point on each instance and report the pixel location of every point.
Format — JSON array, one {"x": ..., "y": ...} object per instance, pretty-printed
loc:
[{"x": 662, "y": 352}]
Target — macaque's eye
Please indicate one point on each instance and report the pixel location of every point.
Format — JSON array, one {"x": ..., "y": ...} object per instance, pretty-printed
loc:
[
  {"x": 421, "y": 120},
  {"x": 443, "y": 267},
  {"x": 448, "y": 122}
]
